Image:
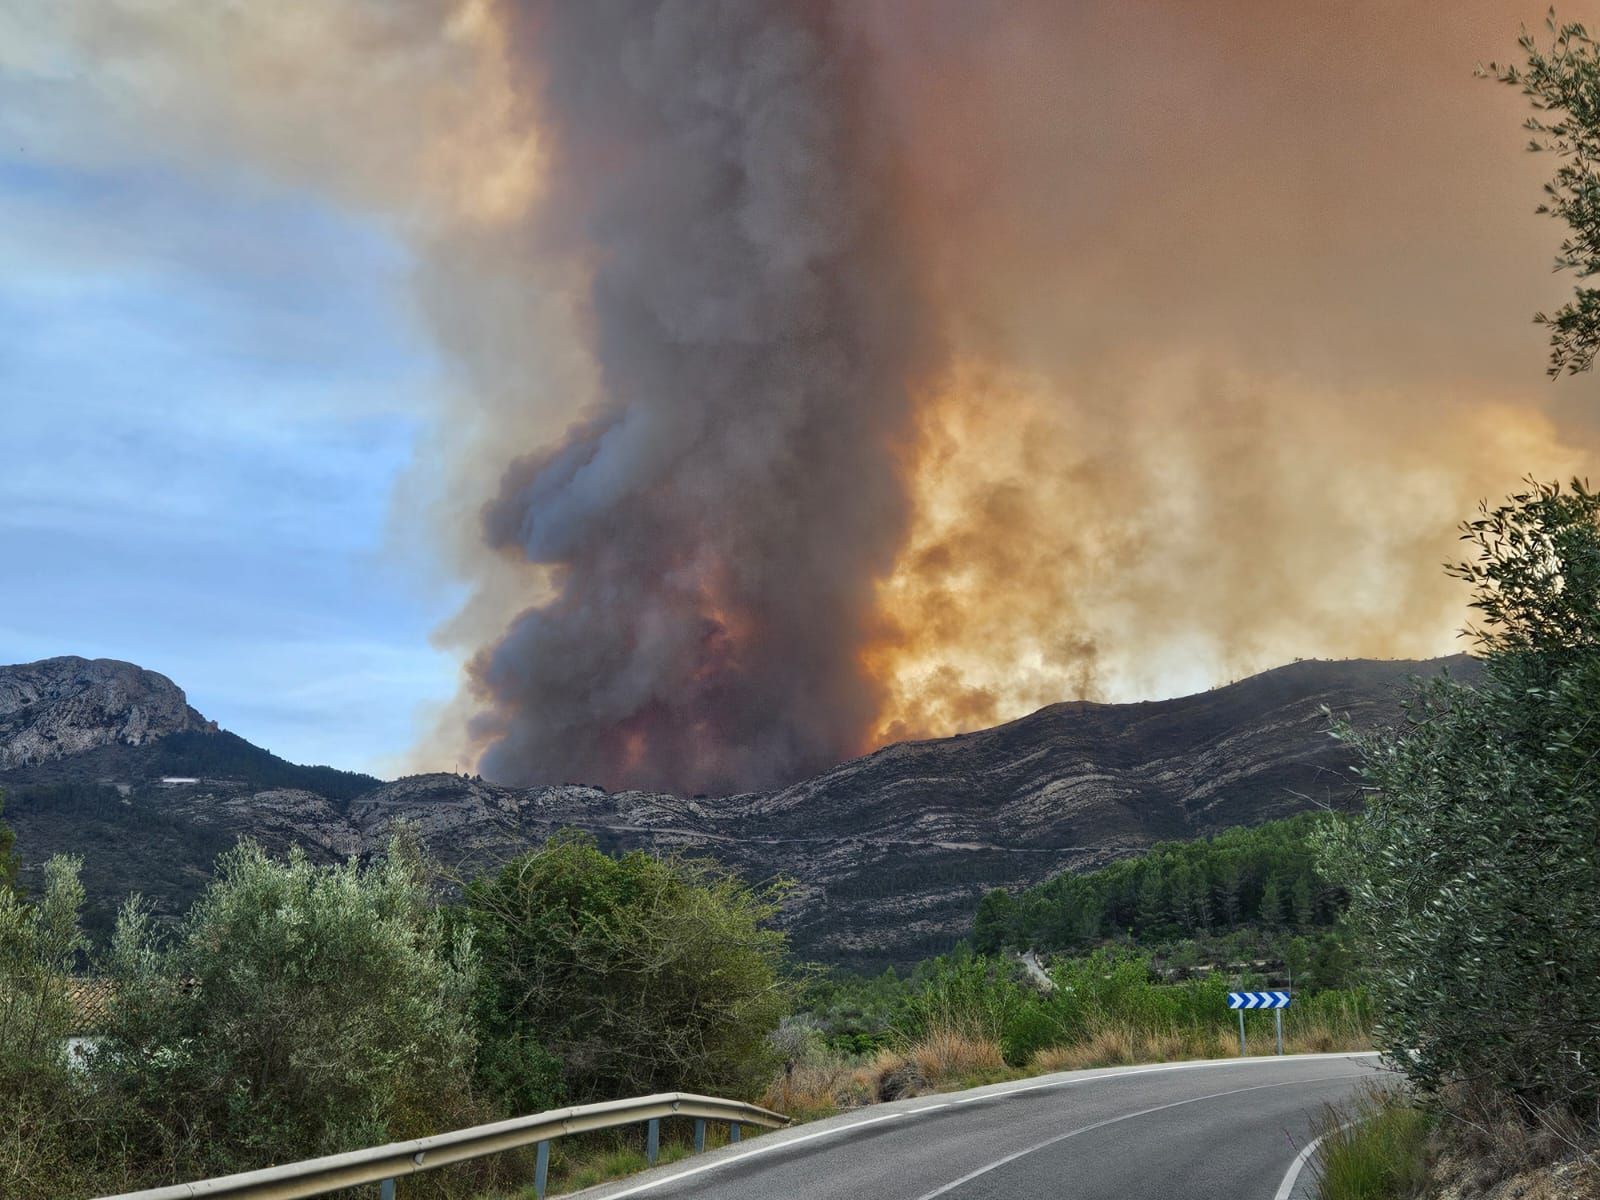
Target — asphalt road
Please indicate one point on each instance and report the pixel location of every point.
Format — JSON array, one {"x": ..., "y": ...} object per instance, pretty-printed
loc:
[{"x": 1181, "y": 1132}]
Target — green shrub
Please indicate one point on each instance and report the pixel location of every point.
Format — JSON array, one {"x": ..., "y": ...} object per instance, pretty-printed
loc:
[
  {"x": 975, "y": 996},
  {"x": 301, "y": 1010},
  {"x": 636, "y": 974},
  {"x": 43, "y": 1112},
  {"x": 1473, "y": 872},
  {"x": 1034, "y": 1027},
  {"x": 1114, "y": 987},
  {"x": 8, "y": 856}
]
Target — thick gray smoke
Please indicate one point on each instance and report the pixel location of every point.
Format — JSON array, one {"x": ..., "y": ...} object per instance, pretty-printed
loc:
[{"x": 715, "y": 529}]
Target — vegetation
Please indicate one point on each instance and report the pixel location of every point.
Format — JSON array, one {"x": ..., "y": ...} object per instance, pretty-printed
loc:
[
  {"x": 1484, "y": 951},
  {"x": 101, "y": 823},
  {"x": 42, "y": 1114},
  {"x": 1375, "y": 1149},
  {"x": 229, "y": 756},
  {"x": 611, "y": 976},
  {"x": 8, "y": 856},
  {"x": 1264, "y": 877},
  {"x": 1561, "y": 83},
  {"x": 300, "y": 1010},
  {"x": 967, "y": 1019}
]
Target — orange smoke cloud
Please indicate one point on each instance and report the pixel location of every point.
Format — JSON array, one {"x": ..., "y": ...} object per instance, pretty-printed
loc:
[
  {"x": 1241, "y": 312},
  {"x": 1244, "y": 522}
]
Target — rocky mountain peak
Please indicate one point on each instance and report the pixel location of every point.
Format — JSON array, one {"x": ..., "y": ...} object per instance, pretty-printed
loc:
[{"x": 63, "y": 706}]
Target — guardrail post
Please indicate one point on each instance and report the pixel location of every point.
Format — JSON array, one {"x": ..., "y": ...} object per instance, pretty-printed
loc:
[
  {"x": 541, "y": 1169},
  {"x": 386, "y": 1190},
  {"x": 652, "y": 1140},
  {"x": 733, "y": 1131},
  {"x": 699, "y": 1135}
]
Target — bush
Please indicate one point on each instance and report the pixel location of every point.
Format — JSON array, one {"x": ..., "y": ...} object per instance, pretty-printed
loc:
[
  {"x": 977, "y": 997},
  {"x": 301, "y": 1010},
  {"x": 42, "y": 1107},
  {"x": 8, "y": 857},
  {"x": 634, "y": 974},
  {"x": 1036, "y": 1026},
  {"x": 1473, "y": 872}
]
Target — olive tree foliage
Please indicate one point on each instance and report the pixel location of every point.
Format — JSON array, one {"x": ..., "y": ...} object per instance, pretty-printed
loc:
[
  {"x": 42, "y": 1111},
  {"x": 606, "y": 977},
  {"x": 1562, "y": 82},
  {"x": 300, "y": 1010},
  {"x": 8, "y": 855},
  {"x": 1474, "y": 873}
]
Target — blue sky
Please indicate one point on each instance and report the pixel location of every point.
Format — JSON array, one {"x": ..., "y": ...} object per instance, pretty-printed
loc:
[{"x": 209, "y": 386}]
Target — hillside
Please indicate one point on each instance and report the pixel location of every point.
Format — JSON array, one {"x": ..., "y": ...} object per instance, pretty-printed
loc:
[{"x": 890, "y": 851}]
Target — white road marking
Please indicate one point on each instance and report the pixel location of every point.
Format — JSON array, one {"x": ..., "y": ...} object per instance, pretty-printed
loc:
[
  {"x": 1071, "y": 1133},
  {"x": 1292, "y": 1175},
  {"x": 1105, "y": 1073},
  {"x": 748, "y": 1154}
]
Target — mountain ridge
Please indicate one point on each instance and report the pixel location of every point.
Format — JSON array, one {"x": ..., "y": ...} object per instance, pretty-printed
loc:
[
  {"x": 58, "y": 707},
  {"x": 888, "y": 852}
]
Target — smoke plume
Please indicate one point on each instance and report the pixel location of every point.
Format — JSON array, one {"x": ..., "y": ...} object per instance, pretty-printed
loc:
[{"x": 715, "y": 523}]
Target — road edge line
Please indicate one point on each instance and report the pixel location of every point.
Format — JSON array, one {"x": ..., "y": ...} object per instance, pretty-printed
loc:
[{"x": 1292, "y": 1175}]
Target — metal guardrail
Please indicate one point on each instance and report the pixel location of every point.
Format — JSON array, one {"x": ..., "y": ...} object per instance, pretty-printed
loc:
[{"x": 384, "y": 1164}]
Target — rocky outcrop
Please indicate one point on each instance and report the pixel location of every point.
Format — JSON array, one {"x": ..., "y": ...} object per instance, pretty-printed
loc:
[
  {"x": 65, "y": 706},
  {"x": 888, "y": 853}
]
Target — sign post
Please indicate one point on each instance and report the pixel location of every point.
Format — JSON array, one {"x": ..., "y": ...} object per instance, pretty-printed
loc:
[{"x": 1277, "y": 1001}]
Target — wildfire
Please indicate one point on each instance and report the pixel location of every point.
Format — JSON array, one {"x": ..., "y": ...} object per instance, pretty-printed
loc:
[{"x": 1198, "y": 527}]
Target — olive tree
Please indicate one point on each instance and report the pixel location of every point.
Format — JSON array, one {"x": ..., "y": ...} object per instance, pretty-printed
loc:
[
  {"x": 299, "y": 1010},
  {"x": 41, "y": 1104},
  {"x": 1475, "y": 870},
  {"x": 1562, "y": 83}
]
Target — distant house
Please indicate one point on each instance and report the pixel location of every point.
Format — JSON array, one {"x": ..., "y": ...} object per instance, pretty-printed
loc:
[
  {"x": 91, "y": 1005},
  {"x": 170, "y": 780}
]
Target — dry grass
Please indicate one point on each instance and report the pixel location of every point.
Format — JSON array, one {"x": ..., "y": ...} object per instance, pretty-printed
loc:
[
  {"x": 823, "y": 1083},
  {"x": 1492, "y": 1147},
  {"x": 820, "y": 1088},
  {"x": 1113, "y": 1045},
  {"x": 946, "y": 1056},
  {"x": 945, "y": 1059}
]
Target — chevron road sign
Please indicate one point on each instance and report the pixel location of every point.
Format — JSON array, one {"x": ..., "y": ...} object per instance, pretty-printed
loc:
[
  {"x": 1278, "y": 1001},
  {"x": 1258, "y": 999}
]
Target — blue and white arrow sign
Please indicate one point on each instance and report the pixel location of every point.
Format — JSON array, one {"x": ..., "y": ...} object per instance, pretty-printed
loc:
[{"x": 1258, "y": 999}]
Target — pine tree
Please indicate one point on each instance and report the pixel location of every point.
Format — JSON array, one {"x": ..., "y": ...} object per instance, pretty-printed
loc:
[
  {"x": 1150, "y": 906},
  {"x": 1300, "y": 901},
  {"x": 1228, "y": 894},
  {"x": 1270, "y": 911}
]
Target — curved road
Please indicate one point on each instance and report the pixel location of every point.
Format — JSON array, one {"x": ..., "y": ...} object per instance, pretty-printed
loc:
[{"x": 1184, "y": 1131}]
